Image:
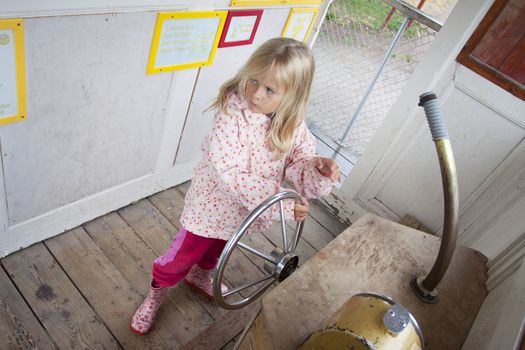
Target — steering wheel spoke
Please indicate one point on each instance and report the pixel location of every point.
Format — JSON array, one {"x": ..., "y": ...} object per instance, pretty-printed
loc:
[
  {"x": 246, "y": 286},
  {"x": 283, "y": 227},
  {"x": 296, "y": 236},
  {"x": 256, "y": 252}
]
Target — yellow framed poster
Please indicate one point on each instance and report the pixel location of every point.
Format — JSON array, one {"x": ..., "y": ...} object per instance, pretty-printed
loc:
[
  {"x": 300, "y": 23},
  {"x": 12, "y": 71},
  {"x": 185, "y": 40}
]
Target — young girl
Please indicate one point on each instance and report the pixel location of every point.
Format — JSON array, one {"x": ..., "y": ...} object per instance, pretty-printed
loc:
[{"x": 259, "y": 138}]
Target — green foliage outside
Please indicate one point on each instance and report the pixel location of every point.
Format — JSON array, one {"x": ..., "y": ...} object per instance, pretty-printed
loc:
[{"x": 368, "y": 14}]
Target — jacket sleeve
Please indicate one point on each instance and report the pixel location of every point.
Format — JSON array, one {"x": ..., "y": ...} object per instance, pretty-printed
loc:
[
  {"x": 301, "y": 171},
  {"x": 230, "y": 164}
]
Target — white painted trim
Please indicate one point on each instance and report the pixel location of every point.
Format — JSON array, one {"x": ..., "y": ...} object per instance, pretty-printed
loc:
[
  {"x": 499, "y": 323},
  {"x": 67, "y": 217},
  {"x": 4, "y": 213},
  {"x": 370, "y": 195},
  {"x": 176, "y": 113},
  {"x": 46, "y": 10},
  {"x": 506, "y": 263},
  {"x": 483, "y": 91},
  {"x": 91, "y": 7},
  {"x": 347, "y": 210},
  {"x": 495, "y": 197},
  {"x": 319, "y": 22}
]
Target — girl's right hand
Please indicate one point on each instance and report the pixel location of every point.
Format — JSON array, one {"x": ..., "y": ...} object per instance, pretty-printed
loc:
[
  {"x": 300, "y": 209},
  {"x": 327, "y": 167}
]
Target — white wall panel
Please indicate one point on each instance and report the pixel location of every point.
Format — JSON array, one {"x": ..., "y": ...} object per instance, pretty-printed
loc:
[{"x": 94, "y": 116}]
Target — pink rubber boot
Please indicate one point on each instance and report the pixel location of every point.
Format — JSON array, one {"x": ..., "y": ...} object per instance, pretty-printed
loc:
[
  {"x": 202, "y": 281},
  {"x": 143, "y": 318}
]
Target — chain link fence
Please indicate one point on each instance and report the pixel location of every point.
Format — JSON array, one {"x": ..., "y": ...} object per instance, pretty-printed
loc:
[{"x": 348, "y": 51}]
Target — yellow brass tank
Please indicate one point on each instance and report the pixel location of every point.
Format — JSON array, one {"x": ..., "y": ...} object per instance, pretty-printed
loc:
[{"x": 368, "y": 321}]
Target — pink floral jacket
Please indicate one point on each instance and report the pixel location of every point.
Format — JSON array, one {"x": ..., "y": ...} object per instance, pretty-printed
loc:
[{"x": 238, "y": 171}]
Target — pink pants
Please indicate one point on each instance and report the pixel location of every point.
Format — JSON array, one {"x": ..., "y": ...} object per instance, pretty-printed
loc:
[{"x": 186, "y": 250}]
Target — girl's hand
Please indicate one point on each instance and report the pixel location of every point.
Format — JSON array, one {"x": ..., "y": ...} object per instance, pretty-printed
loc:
[
  {"x": 327, "y": 167},
  {"x": 301, "y": 210}
]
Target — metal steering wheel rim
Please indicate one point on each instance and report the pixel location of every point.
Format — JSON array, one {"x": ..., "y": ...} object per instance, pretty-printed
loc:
[{"x": 281, "y": 261}]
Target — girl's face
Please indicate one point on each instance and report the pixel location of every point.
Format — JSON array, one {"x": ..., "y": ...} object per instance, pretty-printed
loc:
[{"x": 264, "y": 93}]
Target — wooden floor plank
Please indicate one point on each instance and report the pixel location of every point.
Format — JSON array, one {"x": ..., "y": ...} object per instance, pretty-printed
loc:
[
  {"x": 105, "y": 288},
  {"x": 331, "y": 223},
  {"x": 67, "y": 317},
  {"x": 19, "y": 328},
  {"x": 170, "y": 202},
  {"x": 184, "y": 187},
  {"x": 231, "y": 344},
  {"x": 221, "y": 332},
  {"x": 258, "y": 241},
  {"x": 130, "y": 254},
  {"x": 241, "y": 271},
  {"x": 151, "y": 225},
  {"x": 314, "y": 233}
]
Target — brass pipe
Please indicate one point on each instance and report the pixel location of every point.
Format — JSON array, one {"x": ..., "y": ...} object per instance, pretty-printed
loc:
[
  {"x": 450, "y": 225},
  {"x": 425, "y": 287}
]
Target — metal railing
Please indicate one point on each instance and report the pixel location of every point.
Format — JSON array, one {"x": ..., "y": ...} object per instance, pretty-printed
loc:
[{"x": 364, "y": 57}]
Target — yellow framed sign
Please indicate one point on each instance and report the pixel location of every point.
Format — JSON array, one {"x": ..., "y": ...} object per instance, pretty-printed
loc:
[
  {"x": 300, "y": 23},
  {"x": 12, "y": 71},
  {"x": 185, "y": 40}
]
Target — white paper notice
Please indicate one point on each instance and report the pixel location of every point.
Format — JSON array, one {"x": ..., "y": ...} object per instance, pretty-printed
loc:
[
  {"x": 298, "y": 27},
  {"x": 241, "y": 28},
  {"x": 185, "y": 41},
  {"x": 8, "y": 86}
]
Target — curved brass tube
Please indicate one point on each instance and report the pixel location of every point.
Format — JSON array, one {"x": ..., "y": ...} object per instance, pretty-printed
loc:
[{"x": 425, "y": 287}]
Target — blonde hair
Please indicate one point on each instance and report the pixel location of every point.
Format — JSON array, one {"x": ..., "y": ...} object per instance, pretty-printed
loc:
[{"x": 293, "y": 64}]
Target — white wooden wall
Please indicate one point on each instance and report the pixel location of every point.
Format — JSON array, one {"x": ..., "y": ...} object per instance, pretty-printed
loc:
[{"x": 100, "y": 133}]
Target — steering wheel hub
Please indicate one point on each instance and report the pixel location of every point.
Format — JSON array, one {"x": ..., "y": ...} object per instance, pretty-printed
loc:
[{"x": 285, "y": 266}]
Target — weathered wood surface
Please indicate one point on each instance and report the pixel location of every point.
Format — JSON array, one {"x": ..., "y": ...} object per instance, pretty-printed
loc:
[
  {"x": 108, "y": 291},
  {"x": 66, "y": 316},
  {"x": 19, "y": 328},
  {"x": 379, "y": 256},
  {"x": 257, "y": 336},
  {"x": 79, "y": 290},
  {"x": 219, "y": 333}
]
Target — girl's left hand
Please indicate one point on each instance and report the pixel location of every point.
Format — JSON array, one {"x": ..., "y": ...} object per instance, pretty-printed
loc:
[
  {"x": 327, "y": 167},
  {"x": 301, "y": 209}
]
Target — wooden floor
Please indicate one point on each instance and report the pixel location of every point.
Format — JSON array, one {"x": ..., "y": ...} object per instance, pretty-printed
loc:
[{"x": 78, "y": 290}]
